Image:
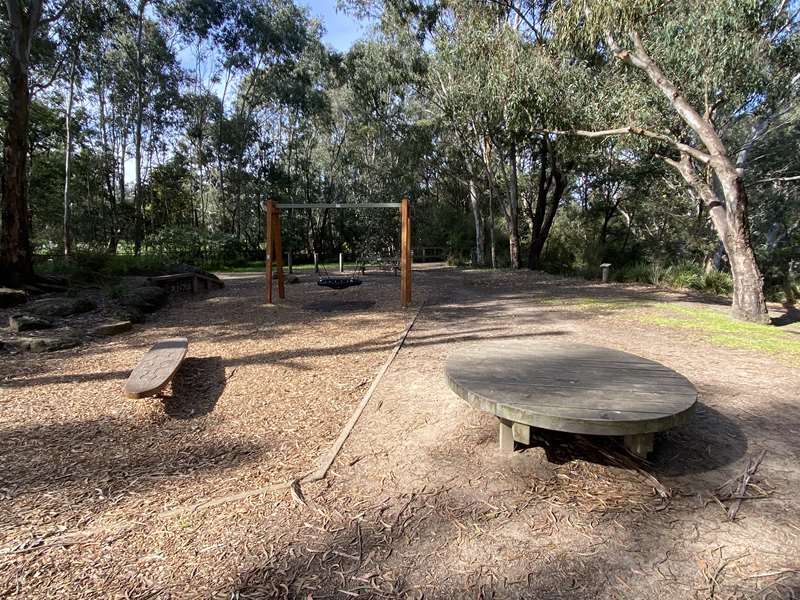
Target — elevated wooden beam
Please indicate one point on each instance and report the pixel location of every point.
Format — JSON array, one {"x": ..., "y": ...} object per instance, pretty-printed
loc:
[{"x": 365, "y": 205}]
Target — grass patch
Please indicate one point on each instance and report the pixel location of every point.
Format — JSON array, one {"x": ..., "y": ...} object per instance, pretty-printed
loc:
[
  {"x": 587, "y": 303},
  {"x": 724, "y": 330}
]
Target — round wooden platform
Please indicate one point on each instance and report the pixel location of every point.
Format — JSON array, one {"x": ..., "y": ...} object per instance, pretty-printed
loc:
[{"x": 573, "y": 388}]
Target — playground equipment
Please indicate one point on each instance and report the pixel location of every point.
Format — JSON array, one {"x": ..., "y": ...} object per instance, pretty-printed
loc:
[
  {"x": 156, "y": 368},
  {"x": 571, "y": 387},
  {"x": 274, "y": 253}
]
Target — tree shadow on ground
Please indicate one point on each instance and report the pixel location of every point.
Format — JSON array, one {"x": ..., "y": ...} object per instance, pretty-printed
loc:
[
  {"x": 196, "y": 388},
  {"x": 790, "y": 316},
  {"x": 68, "y": 378},
  {"x": 86, "y": 467},
  {"x": 473, "y": 530}
]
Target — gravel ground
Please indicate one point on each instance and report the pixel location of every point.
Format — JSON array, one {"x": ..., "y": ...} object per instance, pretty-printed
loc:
[{"x": 419, "y": 503}]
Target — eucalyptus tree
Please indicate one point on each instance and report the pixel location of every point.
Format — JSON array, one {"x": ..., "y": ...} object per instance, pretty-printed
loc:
[
  {"x": 109, "y": 90},
  {"x": 683, "y": 73},
  {"x": 80, "y": 28},
  {"x": 496, "y": 78},
  {"x": 26, "y": 41},
  {"x": 156, "y": 74}
]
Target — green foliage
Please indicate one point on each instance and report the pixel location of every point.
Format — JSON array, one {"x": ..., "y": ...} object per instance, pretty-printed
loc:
[
  {"x": 439, "y": 95},
  {"x": 715, "y": 282},
  {"x": 101, "y": 268},
  {"x": 183, "y": 245},
  {"x": 636, "y": 273},
  {"x": 681, "y": 275}
]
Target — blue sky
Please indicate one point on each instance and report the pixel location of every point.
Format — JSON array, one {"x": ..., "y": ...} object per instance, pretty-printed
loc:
[{"x": 341, "y": 30}]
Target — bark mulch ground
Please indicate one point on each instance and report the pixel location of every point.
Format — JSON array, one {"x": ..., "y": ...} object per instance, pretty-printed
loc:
[{"x": 93, "y": 487}]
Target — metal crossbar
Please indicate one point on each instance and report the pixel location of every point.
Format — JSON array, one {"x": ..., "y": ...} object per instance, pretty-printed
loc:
[{"x": 365, "y": 205}]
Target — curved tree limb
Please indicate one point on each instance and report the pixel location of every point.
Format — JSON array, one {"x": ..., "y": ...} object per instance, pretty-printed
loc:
[{"x": 699, "y": 155}]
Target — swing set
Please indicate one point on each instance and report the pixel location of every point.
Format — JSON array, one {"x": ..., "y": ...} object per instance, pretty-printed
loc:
[{"x": 272, "y": 230}]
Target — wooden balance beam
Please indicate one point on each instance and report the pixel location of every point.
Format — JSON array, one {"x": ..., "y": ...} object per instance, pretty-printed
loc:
[{"x": 157, "y": 367}]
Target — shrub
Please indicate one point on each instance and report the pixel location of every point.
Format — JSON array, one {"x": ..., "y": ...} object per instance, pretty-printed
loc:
[
  {"x": 715, "y": 282},
  {"x": 636, "y": 273},
  {"x": 684, "y": 274},
  {"x": 656, "y": 273}
]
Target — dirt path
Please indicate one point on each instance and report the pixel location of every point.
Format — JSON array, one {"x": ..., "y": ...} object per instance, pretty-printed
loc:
[{"x": 420, "y": 503}]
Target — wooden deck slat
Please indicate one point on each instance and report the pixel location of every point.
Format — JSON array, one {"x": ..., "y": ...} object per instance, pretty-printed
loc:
[{"x": 553, "y": 386}]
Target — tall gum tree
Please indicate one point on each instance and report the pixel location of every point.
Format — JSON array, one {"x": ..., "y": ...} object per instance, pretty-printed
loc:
[
  {"x": 25, "y": 20},
  {"x": 711, "y": 63}
]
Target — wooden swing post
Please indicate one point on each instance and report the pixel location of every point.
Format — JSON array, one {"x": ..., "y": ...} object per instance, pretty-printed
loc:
[
  {"x": 272, "y": 234},
  {"x": 272, "y": 228},
  {"x": 405, "y": 253}
]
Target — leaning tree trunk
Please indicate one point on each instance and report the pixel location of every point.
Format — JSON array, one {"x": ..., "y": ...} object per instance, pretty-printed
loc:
[
  {"x": 474, "y": 200},
  {"x": 16, "y": 256},
  {"x": 749, "y": 302},
  {"x": 550, "y": 189},
  {"x": 729, "y": 217},
  {"x": 728, "y": 208},
  {"x": 539, "y": 238}
]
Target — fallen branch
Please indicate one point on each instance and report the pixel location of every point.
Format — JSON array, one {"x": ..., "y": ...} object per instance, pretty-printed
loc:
[
  {"x": 739, "y": 495},
  {"x": 777, "y": 573}
]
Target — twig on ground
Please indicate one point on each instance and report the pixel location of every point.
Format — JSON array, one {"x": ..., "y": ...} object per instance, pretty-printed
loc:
[
  {"x": 738, "y": 495},
  {"x": 622, "y": 460}
]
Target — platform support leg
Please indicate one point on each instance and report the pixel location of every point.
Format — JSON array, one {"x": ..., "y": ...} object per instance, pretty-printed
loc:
[
  {"x": 506, "y": 436},
  {"x": 641, "y": 444},
  {"x": 521, "y": 433}
]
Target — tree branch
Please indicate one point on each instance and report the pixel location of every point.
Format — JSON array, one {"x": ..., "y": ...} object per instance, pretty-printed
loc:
[
  {"x": 624, "y": 55},
  {"x": 770, "y": 179},
  {"x": 716, "y": 207},
  {"x": 699, "y": 155},
  {"x": 35, "y": 87},
  {"x": 704, "y": 130},
  {"x": 56, "y": 15}
]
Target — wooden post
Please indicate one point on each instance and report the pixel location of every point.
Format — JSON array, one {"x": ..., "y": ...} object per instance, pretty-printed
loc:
[
  {"x": 506, "y": 437},
  {"x": 268, "y": 228},
  {"x": 316, "y": 262},
  {"x": 278, "y": 251},
  {"x": 341, "y": 262},
  {"x": 604, "y": 269},
  {"x": 405, "y": 253}
]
